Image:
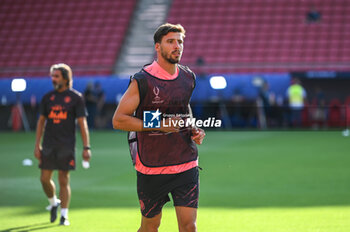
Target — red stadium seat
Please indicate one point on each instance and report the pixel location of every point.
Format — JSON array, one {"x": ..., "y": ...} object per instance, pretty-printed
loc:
[
  {"x": 35, "y": 34},
  {"x": 264, "y": 32}
]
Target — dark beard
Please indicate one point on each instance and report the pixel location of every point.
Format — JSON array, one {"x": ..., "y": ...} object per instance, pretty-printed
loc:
[
  {"x": 57, "y": 86},
  {"x": 169, "y": 59}
]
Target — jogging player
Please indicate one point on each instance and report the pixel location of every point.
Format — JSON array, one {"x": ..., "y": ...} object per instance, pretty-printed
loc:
[
  {"x": 59, "y": 110},
  {"x": 165, "y": 158}
]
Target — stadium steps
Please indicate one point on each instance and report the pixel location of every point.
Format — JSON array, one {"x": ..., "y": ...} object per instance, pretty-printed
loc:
[{"x": 138, "y": 48}]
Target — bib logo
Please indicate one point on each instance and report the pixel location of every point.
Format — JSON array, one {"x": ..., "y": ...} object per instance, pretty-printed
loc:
[
  {"x": 151, "y": 119},
  {"x": 156, "y": 99},
  {"x": 57, "y": 114}
]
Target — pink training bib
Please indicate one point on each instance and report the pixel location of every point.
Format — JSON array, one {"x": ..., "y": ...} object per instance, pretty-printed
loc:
[{"x": 156, "y": 70}]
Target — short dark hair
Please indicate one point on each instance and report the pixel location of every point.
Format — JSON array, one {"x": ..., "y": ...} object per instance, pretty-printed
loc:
[
  {"x": 66, "y": 72},
  {"x": 164, "y": 29}
]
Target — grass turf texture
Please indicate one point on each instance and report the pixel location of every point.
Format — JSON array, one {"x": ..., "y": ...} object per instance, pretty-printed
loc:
[{"x": 251, "y": 182}]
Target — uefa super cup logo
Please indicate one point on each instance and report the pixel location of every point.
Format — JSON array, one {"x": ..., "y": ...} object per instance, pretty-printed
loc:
[{"x": 156, "y": 99}]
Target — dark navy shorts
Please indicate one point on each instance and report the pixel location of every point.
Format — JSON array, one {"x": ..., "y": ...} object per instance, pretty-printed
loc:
[
  {"x": 57, "y": 158},
  {"x": 153, "y": 191}
]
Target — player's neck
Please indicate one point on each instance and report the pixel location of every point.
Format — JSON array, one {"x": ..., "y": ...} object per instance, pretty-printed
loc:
[{"x": 170, "y": 68}]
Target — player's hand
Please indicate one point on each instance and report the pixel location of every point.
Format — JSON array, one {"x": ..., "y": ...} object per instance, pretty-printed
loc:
[
  {"x": 86, "y": 154},
  {"x": 198, "y": 135},
  {"x": 37, "y": 153},
  {"x": 170, "y": 125}
]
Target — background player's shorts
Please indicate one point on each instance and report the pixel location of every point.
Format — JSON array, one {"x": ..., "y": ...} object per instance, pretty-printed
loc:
[
  {"x": 57, "y": 158},
  {"x": 153, "y": 191}
]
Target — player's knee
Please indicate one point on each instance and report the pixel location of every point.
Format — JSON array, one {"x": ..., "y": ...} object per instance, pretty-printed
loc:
[
  {"x": 63, "y": 181},
  {"x": 189, "y": 227},
  {"x": 153, "y": 227},
  {"x": 150, "y": 226}
]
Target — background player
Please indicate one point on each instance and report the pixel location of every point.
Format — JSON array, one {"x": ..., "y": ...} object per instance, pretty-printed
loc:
[{"x": 59, "y": 110}]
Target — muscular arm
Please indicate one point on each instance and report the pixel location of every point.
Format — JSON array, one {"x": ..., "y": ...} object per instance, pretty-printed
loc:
[
  {"x": 123, "y": 119},
  {"x": 84, "y": 131},
  {"x": 39, "y": 134}
]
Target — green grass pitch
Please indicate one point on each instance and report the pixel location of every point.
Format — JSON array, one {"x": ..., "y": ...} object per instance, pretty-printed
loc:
[{"x": 250, "y": 182}]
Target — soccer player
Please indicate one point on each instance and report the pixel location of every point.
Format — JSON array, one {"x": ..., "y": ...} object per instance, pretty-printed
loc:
[
  {"x": 165, "y": 158},
  {"x": 59, "y": 110}
]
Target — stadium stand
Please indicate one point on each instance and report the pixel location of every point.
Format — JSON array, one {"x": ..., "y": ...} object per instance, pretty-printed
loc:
[
  {"x": 264, "y": 35},
  {"x": 228, "y": 35},
  {"x": 85, "y": 34},
  {"x": 273, "y": 39}
]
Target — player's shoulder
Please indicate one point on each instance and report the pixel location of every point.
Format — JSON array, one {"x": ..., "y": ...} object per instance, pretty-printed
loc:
[
  {"x": 139, "y": 75},
  {"x": 187, "y": 70},
  {"x": 48, "y": 94},
  {"x": 74, "y": 93},
  {"x": 140, "y": 78}
]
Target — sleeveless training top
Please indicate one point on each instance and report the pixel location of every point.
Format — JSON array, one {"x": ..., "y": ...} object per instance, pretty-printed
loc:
[{"x": 155, "y": 148}]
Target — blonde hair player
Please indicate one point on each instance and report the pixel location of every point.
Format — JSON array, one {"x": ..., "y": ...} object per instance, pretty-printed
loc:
[{"x": 59, "y": 111}]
